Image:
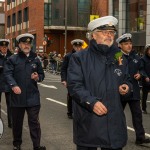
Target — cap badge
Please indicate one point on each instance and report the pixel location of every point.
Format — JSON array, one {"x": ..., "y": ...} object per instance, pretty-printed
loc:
[
  {"x": 4, "y": 43},
  {"x": 28, "y": 40},
  {"x": 110, "y": 24}
]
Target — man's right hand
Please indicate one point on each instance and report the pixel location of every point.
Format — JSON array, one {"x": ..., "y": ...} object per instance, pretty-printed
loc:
[
  {"x": 16, "y": 90},
  {"x": 99, "y": 109},
  {"x": 147, "y": 79},
  {"x": 64, "y": 83}
]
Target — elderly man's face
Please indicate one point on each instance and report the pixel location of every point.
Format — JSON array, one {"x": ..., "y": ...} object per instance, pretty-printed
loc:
[
  {"x": 3, "y": 49},
  {"x": 25, "y": 47},
  {"x": 105, "y": 37}
]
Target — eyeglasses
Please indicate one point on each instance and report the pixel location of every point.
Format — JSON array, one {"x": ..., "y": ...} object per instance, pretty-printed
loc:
[
  {"x": 26, "y": 43},
  {"x": 105, "y": 32}
]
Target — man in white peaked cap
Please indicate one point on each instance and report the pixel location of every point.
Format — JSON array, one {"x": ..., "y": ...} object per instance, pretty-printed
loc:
[
  {"x": 95, "y": 82},
  {"x": 77, "y": 46},
  {"x": 136, "y": 71},
  {"x": 146, "y": 78},
  {"x": 22, "y": 73},
  {"x": 4, "y": 87}
]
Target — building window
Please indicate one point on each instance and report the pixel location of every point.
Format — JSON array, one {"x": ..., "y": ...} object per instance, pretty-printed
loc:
[
  {"x": 116, "y": 8},
  {"x": 13, "y": 22},
  {"x": 8, "y": 22},
  {"x": 136, "y": 15},
  {"x": 47, "y": 14},
  {"x": 83, "y": 12},
  {"x": 8, "y": 2},
  {"x": 57, "y": 12},
  {"x": 26, "y": 17},
  {"x": 19, "y": 21}
]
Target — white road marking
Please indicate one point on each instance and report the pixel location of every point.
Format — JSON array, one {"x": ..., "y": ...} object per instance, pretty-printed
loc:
[
  {"x": 58, "y": 102},
  {"x": 55, "y": 101},
  {"x": 48, "y": 86},
  {"x": 148, "y": 101},
  {"x": 131, "y": 129}
]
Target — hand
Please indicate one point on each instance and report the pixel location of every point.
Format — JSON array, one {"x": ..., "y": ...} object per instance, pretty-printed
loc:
[
  {"x": 16, "y": 90},
  {"x": 120, "y": 60},
  {"x": 147, "y": 79},
  {"x": 99, "y": 109},
  {"x": 35, "y": 76},
  {"x": 137, "y": 76},
  {"x": 64, "y": 83},
  {"x": 123, "y": 89}
]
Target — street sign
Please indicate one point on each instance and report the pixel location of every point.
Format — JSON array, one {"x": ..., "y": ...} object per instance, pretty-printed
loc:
[
  {"x": 84, "y": 45},
  {"x": 44, "y": 43},
  {"x": 92, "y": 17}
]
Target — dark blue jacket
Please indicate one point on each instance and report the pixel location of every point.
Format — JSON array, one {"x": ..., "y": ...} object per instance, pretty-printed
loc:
[
  {"x": 4, "y": 87},
  {"x": 64, "y": 66},
  {"x": 95, "y": 76},
  {"x": 134, "y": 67},
  {"x": 18, "y": 72},
  {"x": 146, "y": 64}
]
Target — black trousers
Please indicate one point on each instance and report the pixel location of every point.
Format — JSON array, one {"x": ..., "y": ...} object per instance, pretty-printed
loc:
[
  {"x": 33, "y": 122},
  {"x": 69, "y": 104},
  {"x": 8, "y": 100},
  {"x": 93, "y": 148},
  {"x": 136, "y": 118},
  {"x": 145, "y": 91}
]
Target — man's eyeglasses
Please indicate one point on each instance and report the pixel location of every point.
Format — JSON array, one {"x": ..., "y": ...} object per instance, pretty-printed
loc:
[
  {"x": 26, "y": 43},
  {"x": 105, "y": 32}
]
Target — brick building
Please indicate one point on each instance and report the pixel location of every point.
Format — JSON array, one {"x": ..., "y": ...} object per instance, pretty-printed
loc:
[
  {"x": 45, "y": 19},
  {"x": 2, "y": 20}
]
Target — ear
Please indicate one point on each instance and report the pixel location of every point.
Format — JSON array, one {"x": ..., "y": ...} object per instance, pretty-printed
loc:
[
  {"x": 94, "y": 35},
  {"x": 119, "y": 45}
]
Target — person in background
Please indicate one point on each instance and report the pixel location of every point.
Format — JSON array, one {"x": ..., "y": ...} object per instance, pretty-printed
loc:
[
  {"x": 4, "y": 87},
  {"x": 96, "y": 80},
  {"x": 146, "y": 78},
  {"x": 22, "y": 72},
  {"x": 77, "y": 46},
  {"x": 53, "y": 62},
  {"x": 45, "y": 60},
  {"x": 136, "y": 70}
]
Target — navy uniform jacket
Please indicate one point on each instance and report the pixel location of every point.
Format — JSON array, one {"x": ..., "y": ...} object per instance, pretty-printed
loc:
[
  {"x": 65, "y": 65},
  {"x": 94, "y": 77},
  {"x": 134, "y": 67},
  {"x": 18, "y": 72},
  {"x": 4, "y": 87},
  {"x": 146, "y": 64}
]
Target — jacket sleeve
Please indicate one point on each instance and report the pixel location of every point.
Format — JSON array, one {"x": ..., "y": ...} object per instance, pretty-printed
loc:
[
  {"x": 64, "y": 68},
  {"x": 76, "y": 84},
  {"x": 8, "y": 73},
  {"x": 143, "y": 73},
  {"x": 40, "y": 71},
  {"x": 127, "y": 80}
]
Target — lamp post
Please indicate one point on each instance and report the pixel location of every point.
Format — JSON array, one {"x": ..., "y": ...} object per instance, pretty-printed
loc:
[{"x": 65, "y": 28}]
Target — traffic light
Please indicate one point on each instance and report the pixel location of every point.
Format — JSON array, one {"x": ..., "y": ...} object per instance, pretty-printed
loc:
[{"x": 49, "y": 42}]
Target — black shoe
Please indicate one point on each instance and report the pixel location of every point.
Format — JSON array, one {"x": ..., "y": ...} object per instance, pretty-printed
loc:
[
  {"x": 40, "y": 148},
  {"x": 144, "y": 141},
  {"x": 17, "y": 147}
]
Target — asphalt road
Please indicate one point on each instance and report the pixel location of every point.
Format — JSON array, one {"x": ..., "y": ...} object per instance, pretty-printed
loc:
[{"x": 56, "y": 127}]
